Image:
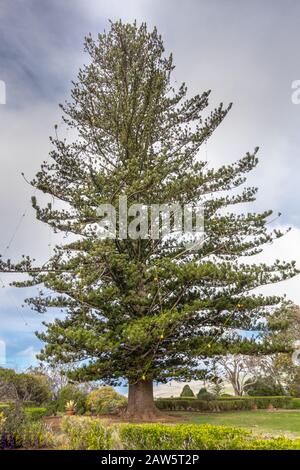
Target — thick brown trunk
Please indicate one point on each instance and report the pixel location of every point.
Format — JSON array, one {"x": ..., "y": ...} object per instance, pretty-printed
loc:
[{"x": 141, "y": 406}]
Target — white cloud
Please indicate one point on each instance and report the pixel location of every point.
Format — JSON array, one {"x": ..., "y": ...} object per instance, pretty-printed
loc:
[{"x": 28, "y": 353}]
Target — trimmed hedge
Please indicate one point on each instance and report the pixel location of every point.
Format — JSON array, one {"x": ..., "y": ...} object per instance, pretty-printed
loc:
[
  {"x": 92, "y": 434},
  {"x": 36, "y": 414},
  {"x": 225, "y": 404},
  {"x": 4, "y": 406},
  {"x": 295, "y": 404},
  {"x": 181, "y": 437}
]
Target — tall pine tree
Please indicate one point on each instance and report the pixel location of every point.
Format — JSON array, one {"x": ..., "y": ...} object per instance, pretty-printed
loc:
[{"x": 146, "y": 310}]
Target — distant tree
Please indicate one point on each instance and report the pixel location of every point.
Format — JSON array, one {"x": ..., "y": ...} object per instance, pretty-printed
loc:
[
  {"x": 240, "y": 371},
  {"x": 216, "y": 382},
  {"x": 285, "y": 330},
  {"x": 187, "y": 392},
  {"x": 264, "y": 386},
  {"x": 293, "y": 385},
  {"x": 21, "y": 387}
]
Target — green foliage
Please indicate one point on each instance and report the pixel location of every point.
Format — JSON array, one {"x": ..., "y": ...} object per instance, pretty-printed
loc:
[
  {"x": 86, "y": 433},
  {"x": 294, "y": 383},
  {"x": 225, "y": 404},
  {"x": 203, "y": 394},
  {"x": 20, "y": 431},
  {"x": 264, "y": 386},
  {"x": 35, "y": 435},
  {"x": 105, "y": 400},
  {"x": 138, "y": 308},
  {"x": 277, "y": 443},
  {"x": 4, "y": 406},
  {"x": 71, "y": 393},
  {"x": 181, "y": 436},
  {"x": 187, "y": 392},
  {"x": 23, "y": 387},
  {"x": 295, "y": 404},
  {"x": 92, "y": 434},
  {"x": 36, "y": 414}
]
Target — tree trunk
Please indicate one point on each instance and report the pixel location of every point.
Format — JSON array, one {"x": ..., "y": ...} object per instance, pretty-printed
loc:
[{"x": 141, "y": 406}]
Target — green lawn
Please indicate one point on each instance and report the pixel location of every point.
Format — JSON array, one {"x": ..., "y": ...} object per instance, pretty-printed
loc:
[{"x": 261, "y": 421}]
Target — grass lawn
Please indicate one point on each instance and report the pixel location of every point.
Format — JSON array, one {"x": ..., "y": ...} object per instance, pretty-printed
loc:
[{"x": 261, "y": 421}]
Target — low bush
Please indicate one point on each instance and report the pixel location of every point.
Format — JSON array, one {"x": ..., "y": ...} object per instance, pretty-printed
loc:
[
  {"x": 35, "y": 435},
  {"x": 203, "y": 394},
  {"x": 105, "y": 400},
  {"x": 180, "y": 436},
  {"x": 86, "y": 433},
  {"x": 277, "y": 443},
  {"x": 92, "y": 434},
  {"x": 18, "y": 431}
]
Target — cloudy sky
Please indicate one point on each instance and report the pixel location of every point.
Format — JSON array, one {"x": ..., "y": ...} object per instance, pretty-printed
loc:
[{"x": 246, "y": 51}]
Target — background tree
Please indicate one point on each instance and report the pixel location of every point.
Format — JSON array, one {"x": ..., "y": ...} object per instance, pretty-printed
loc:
[
  {"x": 285, "y": 330},
  {"x": 241, "y": 371},
  {"x": 265, "y": 385},
  {"x": 144, "y": 310},
  {"x": 20, "y": 388}
]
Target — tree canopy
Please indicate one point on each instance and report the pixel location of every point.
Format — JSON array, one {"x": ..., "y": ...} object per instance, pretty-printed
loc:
[{"x": 146, "y": 309}]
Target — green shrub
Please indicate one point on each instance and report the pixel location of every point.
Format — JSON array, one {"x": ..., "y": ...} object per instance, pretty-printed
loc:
[
  {"x": 4, "y": 406},
  {"x": 180, "y": 437},
  {"x": 187, "y": 392},
  {"x": 92, "y": 434},
  {"x": 203, "y": 394},
  {"x": 52, "y": 408},
  {"x": 35, "y": 414},
  {"x": 105, "y": 400},
  {"x": 71, "y": 393},
  {"x": 18, "y": 431},
  {"x": 35, "y": 435},
  {"x": 277, "y": 443},
  {"x": 86, "y": 433}
]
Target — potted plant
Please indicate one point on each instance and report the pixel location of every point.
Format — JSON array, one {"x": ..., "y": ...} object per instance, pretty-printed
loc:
[{"x": 70, "y": 407}]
